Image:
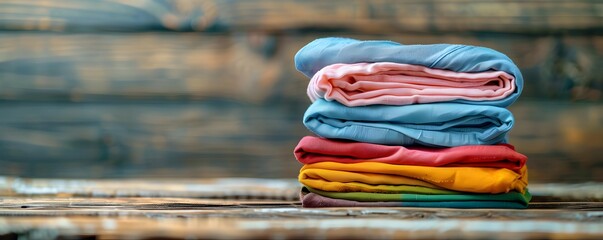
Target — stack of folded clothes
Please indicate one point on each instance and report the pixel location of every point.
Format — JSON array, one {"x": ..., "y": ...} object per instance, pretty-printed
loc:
[{"x": 409, "y": 125}]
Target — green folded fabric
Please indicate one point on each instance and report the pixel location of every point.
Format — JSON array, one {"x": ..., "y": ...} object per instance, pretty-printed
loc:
[{"x": 405, "y": 197}]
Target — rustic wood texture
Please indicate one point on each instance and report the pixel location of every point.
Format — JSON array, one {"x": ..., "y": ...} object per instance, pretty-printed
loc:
[
  {"x": 207, "y": 139},
  {"x": 229, "y": 189},
  {"x": 124, "y": 88},
  {"x": 136, "y": 208},
  {"x": 221, "y": 138},
  {"x": 41, "y": 66},
  {"x": 220, "y": 188},
  {"x": 561, "y": 139},
  {"x": 345, "y": 227},
  {"x": 535, "y": 16},
  {"x": 248, "y": 67}
]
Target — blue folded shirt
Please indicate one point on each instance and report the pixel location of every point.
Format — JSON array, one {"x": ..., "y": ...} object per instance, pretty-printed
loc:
[
  {"x": 433, "y": 124},
  {"x": 459, "y": 58}
]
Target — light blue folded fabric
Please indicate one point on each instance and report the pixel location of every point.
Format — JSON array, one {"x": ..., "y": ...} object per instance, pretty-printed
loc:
[
  {"x": 434, "y": 124},
  {"x": 459, "y": 58}
]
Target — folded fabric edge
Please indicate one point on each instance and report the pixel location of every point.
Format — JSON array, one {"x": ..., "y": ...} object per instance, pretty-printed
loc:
[
  {"x": 311, "y": 149},
  {"x": 322, "y": 86},
  {"x": 313, "y": 200},
  {"x": 523, "y": 198}
]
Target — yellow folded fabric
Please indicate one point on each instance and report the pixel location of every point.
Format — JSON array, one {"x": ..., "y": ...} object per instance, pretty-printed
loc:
[{"x": 389, "y": 178}]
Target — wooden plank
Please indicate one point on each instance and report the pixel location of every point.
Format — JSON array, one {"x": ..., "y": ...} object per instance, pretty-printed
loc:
[
  {"x": 536, "y": 16},
  {"x": 339, "y": 228},
  {"x": 40, "y": 205},
  {"x": 550, "y": 192},
  {"x": 203, "y": 139},
  {"x": 41, "y": 66},
  {"x": 205, "y": 208},
  {"x": 418, "y": 16},
  {"x": 188, "y": 217},
  {"x": 15, "y": 210},
  {"x": 248, "y": 67},
  {"x": 561, "y": 140},
  {"x": 225, "y": 204},
  {"x": 221, "y": 188},
  {"x": 234, "y": 188},
  {"x": 228, "y": 139}
]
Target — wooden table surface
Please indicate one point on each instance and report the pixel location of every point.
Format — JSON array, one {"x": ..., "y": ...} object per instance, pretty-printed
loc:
[{"x": 246, "y": 208}]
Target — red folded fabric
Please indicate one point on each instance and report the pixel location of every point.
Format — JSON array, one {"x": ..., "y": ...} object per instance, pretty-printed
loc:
[{"x": 314, "y": 149}]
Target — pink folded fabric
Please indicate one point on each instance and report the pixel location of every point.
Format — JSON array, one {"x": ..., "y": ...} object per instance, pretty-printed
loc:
[
  {"x": 362, "y": 84},
  {"x": 314, "y": 149}
]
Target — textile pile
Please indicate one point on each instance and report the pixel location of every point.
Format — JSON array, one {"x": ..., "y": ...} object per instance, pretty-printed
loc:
[{"x": 409, "y": 125}]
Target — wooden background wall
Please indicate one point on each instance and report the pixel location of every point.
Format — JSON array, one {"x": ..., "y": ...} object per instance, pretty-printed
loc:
[{"x": 169, "y": 88}]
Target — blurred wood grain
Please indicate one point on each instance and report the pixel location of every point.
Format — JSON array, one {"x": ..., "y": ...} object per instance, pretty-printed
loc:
[
  {"x": 221, "y": 138},
  {"x": 230, "y": 208},
  {"x": 535, "y": 16},
  {"x": 137, "y": 66},
  {"x": 180, "y": 91},
  {"x": 221, "y": 190},
  {"x": 206, "y": 139},
  {"x": 164, "y": 88},
  {"x": 247, "y": 67},
  {"x": 280, "y": 225},
  {"x": 561, "y": 139},
  {"x": 216, "y": 190}
]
